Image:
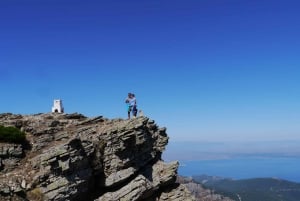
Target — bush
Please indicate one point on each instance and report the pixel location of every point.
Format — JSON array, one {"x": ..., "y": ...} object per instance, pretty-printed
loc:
[{"x": 11, "y": 134}]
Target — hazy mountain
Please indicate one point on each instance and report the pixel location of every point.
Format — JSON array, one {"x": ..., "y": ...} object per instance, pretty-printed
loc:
[{"x": 258, "y": 189}]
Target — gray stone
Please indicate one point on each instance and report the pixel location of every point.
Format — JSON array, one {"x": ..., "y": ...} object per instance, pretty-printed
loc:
[
  {"x": 23, "y": 184},
  {"x": 116, "y": 178},
  {"x": 73, "y": 157}
]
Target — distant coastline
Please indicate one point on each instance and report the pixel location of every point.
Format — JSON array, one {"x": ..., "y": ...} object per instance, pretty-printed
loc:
[
  {"x": 245, "y": 168},
  {"x": 237, "y": 160}
]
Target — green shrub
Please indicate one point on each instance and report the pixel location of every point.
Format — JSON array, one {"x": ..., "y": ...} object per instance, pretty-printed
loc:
[{"x": 11, "y": 134}]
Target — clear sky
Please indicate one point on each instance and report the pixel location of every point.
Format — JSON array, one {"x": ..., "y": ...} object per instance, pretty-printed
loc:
[{"x": 208, "y": 70}]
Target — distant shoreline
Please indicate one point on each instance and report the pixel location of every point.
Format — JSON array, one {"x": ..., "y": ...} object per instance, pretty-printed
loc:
[{"x": 244, "y": 168}]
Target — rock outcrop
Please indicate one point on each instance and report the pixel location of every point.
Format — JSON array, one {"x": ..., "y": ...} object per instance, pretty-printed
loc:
[
  {"x": 72, "y": 157},
  {"x": 199, "y": 192}
]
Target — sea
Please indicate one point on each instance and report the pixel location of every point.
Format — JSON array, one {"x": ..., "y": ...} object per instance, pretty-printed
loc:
[
  {"x": 244, "y": 168},
  {"x": 237, "y": 160}
]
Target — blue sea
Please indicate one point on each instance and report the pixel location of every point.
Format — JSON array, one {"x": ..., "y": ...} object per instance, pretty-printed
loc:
[
  {"x": 245, "y": 167},
  {"x": 237, "y": 160}
]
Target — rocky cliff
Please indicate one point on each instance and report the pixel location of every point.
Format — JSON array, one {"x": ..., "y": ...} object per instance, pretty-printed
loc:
[
  {"x": 72, "y": 157},
  {"x": 200, "y": 192}
]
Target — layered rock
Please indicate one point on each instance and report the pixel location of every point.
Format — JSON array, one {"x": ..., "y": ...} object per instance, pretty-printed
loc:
[
  {"x": 201, "y": 193},
  {"x": 72, "y": 157}
]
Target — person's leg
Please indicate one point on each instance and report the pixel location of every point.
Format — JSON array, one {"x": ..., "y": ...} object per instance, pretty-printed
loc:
[
  {"x": 129, "y": 111},
  {"x": 134, "y": 111}
]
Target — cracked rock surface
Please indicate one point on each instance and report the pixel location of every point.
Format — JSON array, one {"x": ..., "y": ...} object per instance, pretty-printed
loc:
[{"x": 73, "y": 157}]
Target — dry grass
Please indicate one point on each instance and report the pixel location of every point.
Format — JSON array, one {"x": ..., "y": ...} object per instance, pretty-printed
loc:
[{"x": 35, "y": 195}]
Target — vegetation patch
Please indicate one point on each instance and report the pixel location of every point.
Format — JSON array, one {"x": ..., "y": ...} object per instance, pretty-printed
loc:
[
  {"x": 35, "y": 194},
  {"x": 11, "y": 134}
]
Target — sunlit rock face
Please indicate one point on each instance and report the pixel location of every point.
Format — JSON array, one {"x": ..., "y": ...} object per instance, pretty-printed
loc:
[{"x": 72, "y": 157}]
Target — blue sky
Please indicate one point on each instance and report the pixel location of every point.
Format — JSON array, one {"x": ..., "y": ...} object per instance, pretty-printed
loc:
[{"x": 208, "y": 70}]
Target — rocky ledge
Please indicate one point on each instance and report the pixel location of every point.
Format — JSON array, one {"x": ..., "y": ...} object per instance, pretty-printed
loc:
[{"x": 72, "y": 157}]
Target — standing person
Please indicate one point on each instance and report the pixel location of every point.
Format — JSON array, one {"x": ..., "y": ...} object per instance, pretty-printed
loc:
[
  {"x": 128, "y": 103},
  {"x": 131, "y": 105}
]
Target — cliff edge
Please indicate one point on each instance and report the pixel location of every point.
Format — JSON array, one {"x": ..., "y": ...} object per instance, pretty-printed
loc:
[{"x": 72, "y": 157}]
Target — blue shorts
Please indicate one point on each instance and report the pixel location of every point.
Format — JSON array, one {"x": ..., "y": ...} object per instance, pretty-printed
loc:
[{"x": 129, "y": 108}]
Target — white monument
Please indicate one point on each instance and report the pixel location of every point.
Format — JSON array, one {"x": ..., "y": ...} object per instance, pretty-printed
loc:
[{"x": 57, "y": 106}]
